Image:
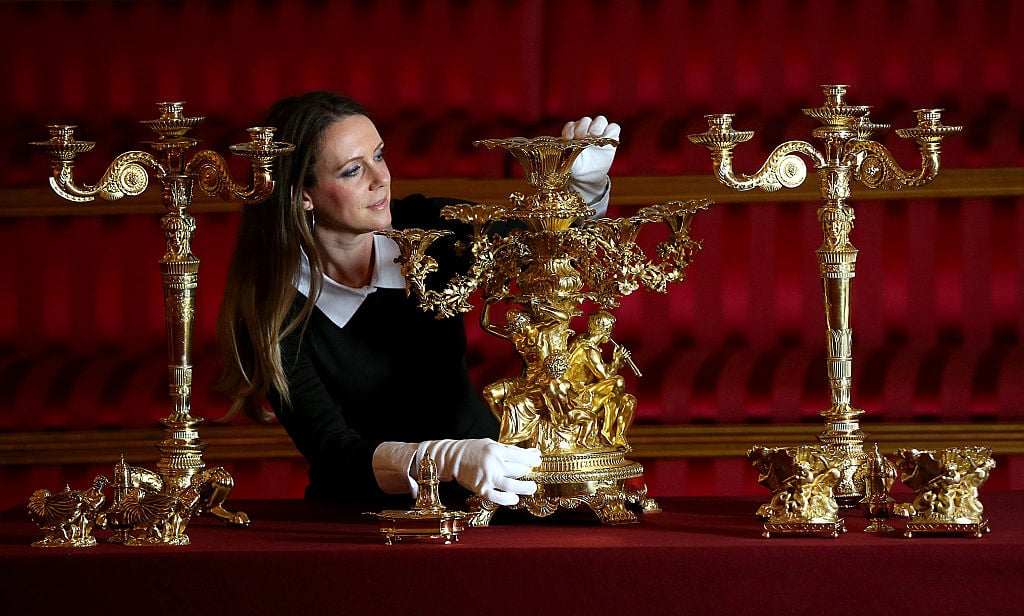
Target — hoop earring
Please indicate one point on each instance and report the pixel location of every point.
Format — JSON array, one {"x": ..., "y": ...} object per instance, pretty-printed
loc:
[{"x": 312, "y": 220}]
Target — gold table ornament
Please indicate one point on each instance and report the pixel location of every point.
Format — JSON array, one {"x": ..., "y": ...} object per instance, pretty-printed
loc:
[
  {"x": 801, "y": 480},
  {"x": 946, "y": 484},
  {"x": 67, "y": 518},
  {"x": 570, "y": 400},
  {"x": 428, "y": 520},
  {"x": 181, "y": 468},
  {"x": 848, "y": 154}
]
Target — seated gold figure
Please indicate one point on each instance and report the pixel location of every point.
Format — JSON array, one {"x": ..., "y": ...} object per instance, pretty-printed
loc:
[
  {"x": 565, "y": 400},
  {"x": 600, "y": 381}
]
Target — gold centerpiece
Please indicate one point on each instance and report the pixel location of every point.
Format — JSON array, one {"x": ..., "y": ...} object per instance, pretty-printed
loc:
[
  {"x": 848, "y": 154},
  {"x": 181, "y": 471},
  {"x": 555, "y": 265}
]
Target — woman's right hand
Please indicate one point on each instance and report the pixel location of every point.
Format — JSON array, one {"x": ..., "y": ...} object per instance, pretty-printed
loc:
[{"x": 490, "y": 469}]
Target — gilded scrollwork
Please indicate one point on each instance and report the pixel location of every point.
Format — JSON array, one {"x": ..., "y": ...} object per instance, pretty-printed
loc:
[
  {"x": 782, "y": 169},
  {"x": 878, "y": 168},
  {"x": 126, "y": 176}
]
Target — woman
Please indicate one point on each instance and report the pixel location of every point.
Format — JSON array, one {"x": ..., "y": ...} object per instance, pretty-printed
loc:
[{"x": 316, "y": 321}]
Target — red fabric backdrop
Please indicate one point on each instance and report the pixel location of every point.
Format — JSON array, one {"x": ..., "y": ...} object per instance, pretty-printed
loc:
[{"x": 937, "y": 300}]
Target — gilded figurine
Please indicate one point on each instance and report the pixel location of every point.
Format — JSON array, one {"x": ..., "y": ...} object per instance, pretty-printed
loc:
[
  {"x": 801, "y": 481},
  {"x": 946, "y": 484},
  {"x": 599, "y": 382},
  {"x": 67, "y": 517},
  {"x": 160, "y": 516}
]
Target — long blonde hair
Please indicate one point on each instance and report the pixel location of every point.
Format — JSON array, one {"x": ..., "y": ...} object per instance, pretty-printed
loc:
[{"x": 256, "y": 312}]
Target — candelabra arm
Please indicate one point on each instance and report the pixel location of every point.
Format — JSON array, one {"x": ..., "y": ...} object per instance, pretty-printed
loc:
[
  {"x": 215, "y": 179},
  {"x": 416, "y": 265},
  {"x": 878, "y": 169},
  {"x": 782, "y": 169},
  {"x": 126, "y": 176}
]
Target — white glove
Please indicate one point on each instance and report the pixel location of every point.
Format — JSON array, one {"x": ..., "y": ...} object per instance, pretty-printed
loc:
[
  {"x": 484, "y": 466},
  {"x": 590, "y": 169}
]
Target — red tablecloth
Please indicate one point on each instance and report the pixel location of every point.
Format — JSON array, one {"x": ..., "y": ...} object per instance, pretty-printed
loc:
[{"x": 699, "y": 555}]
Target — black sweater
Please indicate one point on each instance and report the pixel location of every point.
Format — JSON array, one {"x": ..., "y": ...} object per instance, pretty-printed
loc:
[{"x": 392, "y": 373}]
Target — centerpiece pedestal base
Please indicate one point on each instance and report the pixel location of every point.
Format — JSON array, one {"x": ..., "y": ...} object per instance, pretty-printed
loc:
[{"x": 600, "y": 481}]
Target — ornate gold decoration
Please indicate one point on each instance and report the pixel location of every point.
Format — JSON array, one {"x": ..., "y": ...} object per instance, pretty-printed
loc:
[
  {"x": 801, "y": 480},
  {"x": 946, "y": 484},
  {"x": 569, "y": 400},
  {"x": 182, "y": 473},
  {"x": 848, "y": 154},
  {"x": 67, "y": 518},
  {"x": 428, "y": 520}
]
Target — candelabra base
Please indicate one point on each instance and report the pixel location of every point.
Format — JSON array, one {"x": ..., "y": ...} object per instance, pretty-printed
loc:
[{"x": 604, "y": 481}]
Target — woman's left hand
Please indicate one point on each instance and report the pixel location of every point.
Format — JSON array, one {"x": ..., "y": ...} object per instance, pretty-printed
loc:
[{"x": 590, "y": 169}]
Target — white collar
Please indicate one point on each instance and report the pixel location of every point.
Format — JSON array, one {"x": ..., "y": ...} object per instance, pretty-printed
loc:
[{"x": 339, "y": 302}]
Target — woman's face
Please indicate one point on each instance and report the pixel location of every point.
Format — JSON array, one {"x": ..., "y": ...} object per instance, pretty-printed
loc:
[{"x": 352, "y": 193}]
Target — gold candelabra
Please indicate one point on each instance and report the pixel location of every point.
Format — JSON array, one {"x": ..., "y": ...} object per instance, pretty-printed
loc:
[
  {"x": 848, "y": 154},
  {"x": 183, "y": 486},
  {"x": 569, "y": 400}
]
